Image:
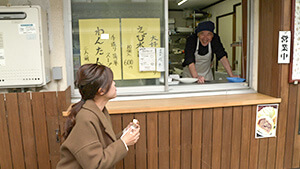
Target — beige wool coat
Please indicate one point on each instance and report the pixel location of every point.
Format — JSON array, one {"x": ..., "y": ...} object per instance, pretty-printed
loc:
[{"x": 92, "y": 143}]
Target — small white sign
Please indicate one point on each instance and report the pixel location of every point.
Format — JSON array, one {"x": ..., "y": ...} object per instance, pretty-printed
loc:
[
  {"x": 104, "y": 36},
  {"x": 146, "y": 59},
  {"x": 27, "y": 29},
  {"x": 160, "y": 60},
  {"x": 284, "y": 46}
]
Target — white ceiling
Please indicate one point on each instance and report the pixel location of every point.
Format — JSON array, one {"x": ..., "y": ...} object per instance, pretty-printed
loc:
[{"x": 191, "y": 4}]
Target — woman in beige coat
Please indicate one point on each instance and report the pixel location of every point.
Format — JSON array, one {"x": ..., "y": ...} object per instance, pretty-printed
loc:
[{"x": 90, "y": 141}]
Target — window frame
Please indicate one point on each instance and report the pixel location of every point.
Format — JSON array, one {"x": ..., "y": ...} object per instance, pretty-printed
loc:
[{"x": 166, "y": 91}]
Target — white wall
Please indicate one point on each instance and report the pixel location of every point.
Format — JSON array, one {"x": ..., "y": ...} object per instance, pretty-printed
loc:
[
  {"x": 221, "y": 8},
  {"x": 54, "y": 9}
]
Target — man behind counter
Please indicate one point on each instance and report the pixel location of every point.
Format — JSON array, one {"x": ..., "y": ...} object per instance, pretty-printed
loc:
[{"x": 199, "y": 56}]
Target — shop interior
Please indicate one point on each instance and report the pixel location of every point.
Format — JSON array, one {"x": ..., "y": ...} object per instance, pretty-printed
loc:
[{"x": 227, "y": 16}]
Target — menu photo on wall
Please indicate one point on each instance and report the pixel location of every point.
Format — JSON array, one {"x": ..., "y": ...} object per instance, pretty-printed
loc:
[{"x": 266, "y": 120}]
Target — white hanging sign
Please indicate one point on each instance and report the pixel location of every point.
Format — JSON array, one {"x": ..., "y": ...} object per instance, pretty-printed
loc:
[
  {"x": 160, "y": 60},
  {"x": 147, "y": 59},
  {"x": 284, "y": 46}
]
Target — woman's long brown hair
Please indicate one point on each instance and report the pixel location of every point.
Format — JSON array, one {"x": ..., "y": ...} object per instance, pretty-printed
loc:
[{"x": 90, "y": 78}]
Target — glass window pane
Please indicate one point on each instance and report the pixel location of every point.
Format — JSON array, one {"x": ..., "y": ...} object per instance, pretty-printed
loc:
[{"x": 135, "y": 20}]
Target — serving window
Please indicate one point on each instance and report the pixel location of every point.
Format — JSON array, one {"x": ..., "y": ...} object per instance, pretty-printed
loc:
[{"x": 145, "y": 50}]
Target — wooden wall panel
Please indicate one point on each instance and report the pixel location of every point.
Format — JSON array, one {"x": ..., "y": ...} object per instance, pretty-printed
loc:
[
  {"x": 236, "y": 137},
  {"x": 217, "y": 138},
  {"x": 27, "y": 130},
  {"x": 5, "y": 151},
  {"x": 254, "y": 143},
  {"x": 226, "y": 137},
  {"x": 263, "y": 152},
  {"x": 271, "y": 153},
  {"x": 207, "y": 138},
  {"x": 214, "y": 138},
  {"x": 116, "y": 121},
  {"x": 52, "y": 116},
  {"x": 14, "y": 128},
  {"x": 186, "y": 138},
  {"x": 40, "y": 128},
  {"x": 163, "y": 140},
  {"x": 152, "y": 140},
  {"x": 296, "y": 149},
  {"x": 141, "y": 146},
  {"x": 268, "y": 68},
  {"x": 290, "y": 128},
  {"x": 245, "y": 144},
  {"x": 129, "y": 161},
  {"x": 175, "y": 139},
  {"x": 25, "y": 133},
  {"x": 196, "y": 139}
]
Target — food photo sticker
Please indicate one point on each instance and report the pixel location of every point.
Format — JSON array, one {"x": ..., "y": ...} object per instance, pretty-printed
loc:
[{"x": 266, "y": 120}]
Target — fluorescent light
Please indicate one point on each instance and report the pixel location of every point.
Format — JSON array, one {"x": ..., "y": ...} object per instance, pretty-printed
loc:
[{"x": 181, "y": 2}]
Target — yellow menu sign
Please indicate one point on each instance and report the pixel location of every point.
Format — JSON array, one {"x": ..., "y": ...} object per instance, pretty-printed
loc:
[
  {"x": 100, "y": 43},
  {"x": 138, "y": 33}
]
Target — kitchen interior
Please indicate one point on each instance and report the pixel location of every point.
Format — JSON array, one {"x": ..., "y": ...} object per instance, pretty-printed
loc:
[{"x": 185, "y": 15}]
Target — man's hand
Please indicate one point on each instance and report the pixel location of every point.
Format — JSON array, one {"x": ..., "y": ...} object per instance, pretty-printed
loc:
[{"x": 200, "y": 79}]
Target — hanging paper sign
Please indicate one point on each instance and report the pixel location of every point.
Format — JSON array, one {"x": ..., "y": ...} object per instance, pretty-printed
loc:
[
  {"x": 266, "y": 120},
  {"x": 160, "y": 60},
  {"x": 284, "y": 46},
  {"x": 147, "y": 59}
]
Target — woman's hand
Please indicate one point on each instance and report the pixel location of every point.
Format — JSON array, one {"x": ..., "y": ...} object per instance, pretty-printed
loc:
[{"x": 132, "y": 135}]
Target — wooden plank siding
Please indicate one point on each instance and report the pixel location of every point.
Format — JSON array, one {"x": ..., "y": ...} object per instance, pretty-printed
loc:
[
  {"x": 214, "y": 138},
  {"x": 27, "y": 123}
]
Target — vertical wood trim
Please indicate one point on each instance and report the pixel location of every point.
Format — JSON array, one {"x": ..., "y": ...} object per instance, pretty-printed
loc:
[
  {"x": 263, "y": 152},
  {"x": 207, "y": 139},
  {"x": 236, "y": 137},
  {"x": 175, "y": 139},
  {"x": 296, "y": 154},
  {"x": 129, "y": 160},
  {"x": 116, "y": 121},
  {"x": 282, "y": 120},
  {"x": 196, "y": 138},
  {"x": 254, "y": 143},
  {"x": 290, "y": 128},
  {"x": 163, "y": 140},
  {"x": 141, "y": 145},
  {"x": 152, "y": 140},
  {"x": 245, "y": 40},
  {"x": 62, "y": 106},
  {"x": 5, "y": 151},
  {"x": 245, "y": 145},
  {"x": 269, "y": 20},
  {"x": 186, "y": 138},
  {"x": 52, "y": 125},
  {"x": 233, "y": 39},
  {"x": 15, "y": 133},
  {"x": 217, "y": 138},
  {"x": 226, "y": 137},
  {"x": 286, "y": 11},
  {"x": 27, "y": 130},
  {"x": 40, "y": 128},
  {"x": 271, "y": 153},
  {"x": 286, "y": 22}
]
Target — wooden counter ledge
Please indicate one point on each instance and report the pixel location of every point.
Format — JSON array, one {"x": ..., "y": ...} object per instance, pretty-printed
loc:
[{"x": 152, "y": 105}]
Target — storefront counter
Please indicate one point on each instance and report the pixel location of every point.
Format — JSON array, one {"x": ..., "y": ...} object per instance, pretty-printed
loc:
[{"x": 186, "y": 103}]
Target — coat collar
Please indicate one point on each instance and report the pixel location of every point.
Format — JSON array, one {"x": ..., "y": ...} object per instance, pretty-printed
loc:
[{"x": 103, "y": 117}]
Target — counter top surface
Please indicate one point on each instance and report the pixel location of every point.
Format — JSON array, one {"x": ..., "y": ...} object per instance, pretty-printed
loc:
[{"x": 185, "y": 103}]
